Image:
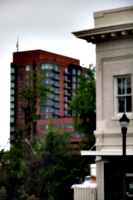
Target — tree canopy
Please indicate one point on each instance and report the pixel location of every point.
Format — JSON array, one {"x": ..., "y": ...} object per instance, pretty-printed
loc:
[
  {"x": 51, "y": 166},
  {"x": 83, "y": 104}
]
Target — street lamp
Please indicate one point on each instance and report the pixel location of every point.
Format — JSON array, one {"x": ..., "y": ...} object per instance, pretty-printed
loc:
[{"x": 124, "y": 122}]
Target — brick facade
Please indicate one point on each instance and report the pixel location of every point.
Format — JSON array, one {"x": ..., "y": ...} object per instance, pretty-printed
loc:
[{"x": 62, "y": 69}]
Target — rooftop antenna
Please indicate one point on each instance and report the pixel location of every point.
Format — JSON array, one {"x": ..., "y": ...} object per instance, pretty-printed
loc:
[{"x": 17, "y": 44}]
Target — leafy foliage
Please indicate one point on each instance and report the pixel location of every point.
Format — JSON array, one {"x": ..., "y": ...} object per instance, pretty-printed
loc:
[
  {"x": 83, "y": 104},
  {"x": 32, "y": 95},
  {"x": 2, "y": 193},
  {"x": 53, "y": 168},
  {"x": 52, "y": 165}
]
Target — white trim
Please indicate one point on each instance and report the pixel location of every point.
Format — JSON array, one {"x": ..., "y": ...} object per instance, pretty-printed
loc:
[
  {"x": 115, "y": 106},
  {"x": 116, "y": 118},
  {"x": 105, "y": 153},
  {"x": 129, "y": 174}
]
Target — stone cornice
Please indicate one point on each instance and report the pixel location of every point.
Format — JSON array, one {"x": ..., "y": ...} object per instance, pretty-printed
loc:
[{"x": 105, "y": 33}]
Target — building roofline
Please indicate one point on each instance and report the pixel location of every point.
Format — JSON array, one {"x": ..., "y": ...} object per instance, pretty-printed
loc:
[
  {"x": 104, "y": 33},
  {"x": 101, "y": 13},
  {"x": 42, "y": 54}
]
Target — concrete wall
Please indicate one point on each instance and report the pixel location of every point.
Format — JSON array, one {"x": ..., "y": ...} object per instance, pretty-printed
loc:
[
  {"x": 113, "y": 58},
  {"x": 113, "y": 17}
]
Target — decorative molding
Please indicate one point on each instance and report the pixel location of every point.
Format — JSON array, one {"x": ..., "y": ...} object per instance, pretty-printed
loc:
[
  {"x": 115, "y": 30},
  {"x": 123, "y": 57}
]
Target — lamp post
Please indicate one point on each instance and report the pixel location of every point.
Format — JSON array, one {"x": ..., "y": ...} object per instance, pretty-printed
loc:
[{"x": 124, "y": 122}]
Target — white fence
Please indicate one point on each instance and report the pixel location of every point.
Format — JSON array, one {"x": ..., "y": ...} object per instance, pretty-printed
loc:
[{"x": 88, "y": 193}]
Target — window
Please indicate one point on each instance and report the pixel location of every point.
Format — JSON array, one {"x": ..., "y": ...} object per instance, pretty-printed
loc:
[
  {"x": 20, "y": 104},
  {"x": 45, "y": 102},
  {"x": 56, "y": 76},
  {"x": 12, "y": 85},
  {"x": 55, "y": 111},
  {"x": 12, "y": 78},
  {"x": 27, "y": 76},
  {"x": 12, "y": 92},
  {"x": 19, "y": 111},
  {"x": 124, "y": 94},
  {"x": 20, "y": 90},
  {"x": 12, "y": 105},
  {"x": 79, "y": 72},
  {"x": 74, "y": 79},
  {"x": 54, "y": 126},
  {"x": 12, "y": 112},
  {"x": 56, "y": 90},
  {"x": 66, "y": 99},
  {"x": 12, "y": 70},
  {"x": 20, "y": 76},
  {"x": 19, "y": 97},
  {"x": 44, "y": 116},
  {"x": 48, "y": 82},
  {"x": 41, "y": 136},
  {"x": 55, "y": 67},
  {"x": 46, "y": 109},
  {"x": 66, "y": 71},
  {"x": 56, "y": 83},
  {"x": 12, "y": 98},
  {"x": 11, "y": 119},
  {"x": 20, "y": 118},
  {"x": 20, "y": 68},
  {"x": 67, "y": 79},
  {"x": 27, "y": 68},
  {"x": 44, "y": 127},
  {"x": 68, "y": 125},
  {"x": 74, "y": 71},
  {"x": 27, "y": 82},
  {"x": 66, "y": 105},
  {"x": 46, "y": 66},
  {"x": 51, "y": 96},
  {"x": 56, "y": 104},
  {"x": 49, "y": 74},
  {"x": 56, "y": 97},
  {"x": 73, "y": 86},
  {"x": 20, "y": 83},
  {"x": 12, "y": 129}
]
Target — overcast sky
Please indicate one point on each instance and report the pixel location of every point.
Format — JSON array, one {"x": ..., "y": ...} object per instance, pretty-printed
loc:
[{"x": 46, "y": 25}]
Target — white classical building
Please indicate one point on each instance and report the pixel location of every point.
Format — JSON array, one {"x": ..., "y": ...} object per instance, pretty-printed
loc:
[{"x": 113, "y": 36}]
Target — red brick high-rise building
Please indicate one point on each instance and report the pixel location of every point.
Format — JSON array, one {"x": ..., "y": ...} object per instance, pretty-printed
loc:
[{"x": 62, "y": 75}]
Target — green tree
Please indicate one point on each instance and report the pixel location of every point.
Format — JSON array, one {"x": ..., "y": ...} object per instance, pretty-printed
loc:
[
  {"x": 13, "y": 170},
  {"x": 54, "y": 167},
  {"x": 2, "y": 193},
  {"x": 83, "y": 105},
  {"x": 32, "y": 95},
  {"x": 53, "y": 164}
]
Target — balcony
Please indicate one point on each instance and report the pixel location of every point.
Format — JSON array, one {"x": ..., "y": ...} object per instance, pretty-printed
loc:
[
  {"x": 55, "y": 84},
  {"x": 56, "y": 106},
  {"x": 56, "y": 99},
  {"x": 56, "y": 92},
  {"x": 55, "y": 78},
  {"x": 67, "y": 86},
  {"x": 55, "y": 69},
  {"x": 56, "y": 115},
  {"x": 67, "y": 94},
  {"x": 67, "y": 101},
  {"x": 67, "y": 115},
  {"x": 67, "y": 72},
  {"x": 67, "y": 80}
]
